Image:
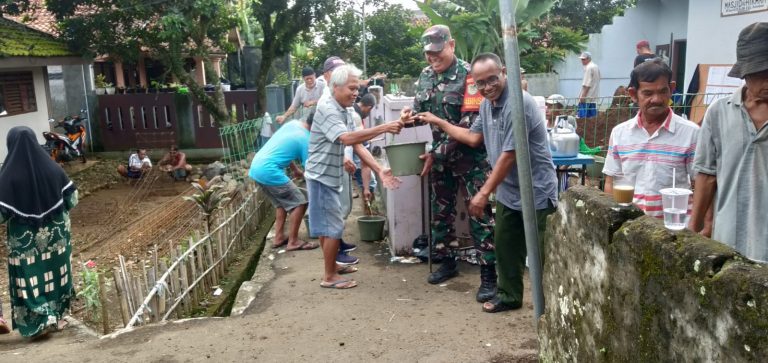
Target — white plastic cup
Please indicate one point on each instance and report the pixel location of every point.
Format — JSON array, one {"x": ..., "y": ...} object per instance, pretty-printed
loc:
[{"x": 674, "y": 202}]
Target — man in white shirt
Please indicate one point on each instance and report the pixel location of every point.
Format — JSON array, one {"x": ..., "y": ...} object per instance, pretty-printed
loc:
[
  {"x": 590, "y": 87},
  {"x": 138, "y": 165},
  {"x": 653, "y": 144}
]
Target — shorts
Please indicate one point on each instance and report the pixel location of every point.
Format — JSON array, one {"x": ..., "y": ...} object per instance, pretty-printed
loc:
[
  {"x": 133, "y": 174},
  {"x": 587, "y": 110},
  {"x": 325, "y": 217},
  {"x": 287, "y": 196}
]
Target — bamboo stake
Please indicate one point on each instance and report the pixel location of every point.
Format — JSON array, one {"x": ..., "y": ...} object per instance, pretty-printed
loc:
[
  {"x": 124, "y": 314},
  {"x": 103, "y": 299}
]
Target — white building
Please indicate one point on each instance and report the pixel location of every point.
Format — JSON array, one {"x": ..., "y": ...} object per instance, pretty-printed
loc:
[
  {"x": 700, "y": 32},
  {"x": 24, "y": 89}
]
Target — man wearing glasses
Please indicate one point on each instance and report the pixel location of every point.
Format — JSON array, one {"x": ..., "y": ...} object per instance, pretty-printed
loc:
[
  {"x": 494, "y": 129},
  {"x": 446, "y": 91}
]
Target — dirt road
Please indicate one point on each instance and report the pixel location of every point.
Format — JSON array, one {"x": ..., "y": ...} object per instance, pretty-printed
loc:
[{"x": 393, "y": 316}]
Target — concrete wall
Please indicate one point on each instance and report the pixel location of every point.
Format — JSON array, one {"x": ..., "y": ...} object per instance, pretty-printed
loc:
[
  {"x": 712, "y": 38},
  {"x": 619, "y": 287},
  {"x": 37, "y": 121},
  {"x": 613, "y": 49},
  {"x": 542, "y": 84}
]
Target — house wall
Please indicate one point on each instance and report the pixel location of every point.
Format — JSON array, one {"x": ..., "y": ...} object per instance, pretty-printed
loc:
[
  {"x": 37, "y": 121},
  {"x": 613, "y": 49},
  {"x": 713, "y": 38}
]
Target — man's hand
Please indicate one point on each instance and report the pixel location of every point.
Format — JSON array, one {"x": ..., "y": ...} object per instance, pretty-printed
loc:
[
  {"x": 280, "y": 119},
  {"x": 309, "y": 103},
  {"x": 367, "y": 195},
  {"x": 166, "y": 168},
  {"x": 428, "y": 159},
  {"x": 349, "y": 166},
  {"x": 390, "y": 181},
  {"x": 429, "y": 118},
  {"x": 298, "y": 174},
  {"x": 477, "y": 204},
  {"x": 406, "y": 114},
  {"x": 393, "y": 127}
]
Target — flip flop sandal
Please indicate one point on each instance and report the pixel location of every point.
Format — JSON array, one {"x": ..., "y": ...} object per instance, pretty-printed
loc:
[
  {"x": 285, "y": 242},
  {"x": 348, "y": 269},
  {"x": 305, "y": 246},
  {"x": 340, "y": 285},
  {"x": 499, "y": 306}
]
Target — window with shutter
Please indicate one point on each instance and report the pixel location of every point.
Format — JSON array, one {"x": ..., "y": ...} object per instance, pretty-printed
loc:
[{"x": 17, "y": 93}]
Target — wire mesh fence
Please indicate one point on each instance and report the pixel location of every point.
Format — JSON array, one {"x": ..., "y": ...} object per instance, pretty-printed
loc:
[{"x": 611, "y": 111}]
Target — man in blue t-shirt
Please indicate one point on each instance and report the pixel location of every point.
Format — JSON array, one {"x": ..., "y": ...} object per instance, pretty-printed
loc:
[{"x": 290, "y": 144}]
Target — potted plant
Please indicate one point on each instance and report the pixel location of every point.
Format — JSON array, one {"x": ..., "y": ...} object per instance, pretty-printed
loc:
[
  {"x": 110, "y": 88},
  {"x": 101, "y": 84}
]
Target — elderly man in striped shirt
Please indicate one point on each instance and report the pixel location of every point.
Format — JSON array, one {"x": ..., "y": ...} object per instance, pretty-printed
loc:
[{"x": 648, "y": 147}]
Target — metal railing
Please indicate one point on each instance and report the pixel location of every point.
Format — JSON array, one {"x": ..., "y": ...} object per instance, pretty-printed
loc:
[{"x": 612, "y": 111}]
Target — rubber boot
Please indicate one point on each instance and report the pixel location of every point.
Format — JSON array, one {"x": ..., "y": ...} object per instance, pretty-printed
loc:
[
  {"x": 487, "y": 288},
  {"x": 448, "y": 269}
]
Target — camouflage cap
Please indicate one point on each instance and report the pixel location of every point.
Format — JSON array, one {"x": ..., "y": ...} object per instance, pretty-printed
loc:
[{"x": 435, "y": 37}]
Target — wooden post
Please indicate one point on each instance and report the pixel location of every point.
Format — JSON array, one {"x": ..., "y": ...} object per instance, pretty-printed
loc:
[
  {"x": 121, "y": 296},
  {"x": 103, "y": 299}
]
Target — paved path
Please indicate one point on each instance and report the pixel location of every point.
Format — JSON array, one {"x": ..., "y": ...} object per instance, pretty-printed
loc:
[{"x": 392, "y": 316}]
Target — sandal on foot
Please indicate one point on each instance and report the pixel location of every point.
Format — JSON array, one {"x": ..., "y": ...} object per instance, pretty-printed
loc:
[
  {"x": 281, "y": 244},
  {"x": 497, "y": 305},
  {"x": 4, "y": 328},
  {"x": 304, "y": 246},
  {"x": 340, "y": 284},
  {"x": 346, "y": 270}
]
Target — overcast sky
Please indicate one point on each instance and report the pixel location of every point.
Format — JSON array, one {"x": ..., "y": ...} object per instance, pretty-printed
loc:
[{"x": 408, "y": 4}]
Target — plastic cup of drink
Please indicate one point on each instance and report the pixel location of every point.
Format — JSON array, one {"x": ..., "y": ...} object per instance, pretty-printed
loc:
[
  {"x": 623, "y": 190},
  {"x": 674, "y": 202}
]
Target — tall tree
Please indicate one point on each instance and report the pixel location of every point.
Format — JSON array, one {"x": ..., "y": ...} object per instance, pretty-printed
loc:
[
  {"x": 282, "y": 23},
  {"x": 168, "y": 30},
  {"x": 589, "y": 16}
]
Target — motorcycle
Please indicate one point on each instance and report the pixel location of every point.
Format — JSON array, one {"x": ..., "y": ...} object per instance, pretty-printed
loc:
[{"x": 71, "y": 145}]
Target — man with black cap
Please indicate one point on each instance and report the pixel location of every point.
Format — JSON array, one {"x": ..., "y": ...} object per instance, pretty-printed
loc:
[
  {"x": 307, "y": 95},
  {"x": 732, "y": 153},
  {"x": 445, "y": 90}
]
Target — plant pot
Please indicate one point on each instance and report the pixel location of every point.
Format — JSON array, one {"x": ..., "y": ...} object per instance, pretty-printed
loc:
[
  {"x": 110, "y": 90},
  {"x": 371, "y": 227},
  {"x": 404, "y": 158},
  {"x": 225, "y": 87},
  {"x": 101, "y": 91}
]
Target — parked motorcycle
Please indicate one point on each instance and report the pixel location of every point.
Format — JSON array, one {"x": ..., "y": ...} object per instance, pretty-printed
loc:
[{"x": 70, "y": 145}]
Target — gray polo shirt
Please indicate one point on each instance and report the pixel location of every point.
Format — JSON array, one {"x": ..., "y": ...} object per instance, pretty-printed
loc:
[
  {"x": 326, "y": 152},
  {"x": 495, "y": 123},
  {"x": 730, "y": 148},
  {"x": 303, "y": 94}
]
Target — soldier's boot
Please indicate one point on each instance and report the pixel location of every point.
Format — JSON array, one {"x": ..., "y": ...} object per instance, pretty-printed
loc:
[
  {"x": 487, "y": 288},
  {"x": 448, "y": 269}
]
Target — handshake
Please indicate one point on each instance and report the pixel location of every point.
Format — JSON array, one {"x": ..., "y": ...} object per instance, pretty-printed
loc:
[{"x": 410, "y": 119}]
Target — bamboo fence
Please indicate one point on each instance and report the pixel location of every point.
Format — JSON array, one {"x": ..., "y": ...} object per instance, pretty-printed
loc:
[{"x": 155, "y": 291}]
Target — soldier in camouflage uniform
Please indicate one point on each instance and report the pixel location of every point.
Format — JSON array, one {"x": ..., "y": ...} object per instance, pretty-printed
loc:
[{"x": 440, "y": 91}]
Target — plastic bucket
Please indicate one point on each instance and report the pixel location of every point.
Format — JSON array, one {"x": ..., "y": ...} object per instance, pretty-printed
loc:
[
  {"x": 404, "y": 158},
  {"x": 371, "y": 227}
]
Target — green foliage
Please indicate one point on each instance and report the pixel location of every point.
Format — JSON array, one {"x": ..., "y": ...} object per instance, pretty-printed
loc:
[
  {"x": 100, "y": 80},
  {"x": 90, "y": 289},
  {"x": 209, "y": 196},
  {"x": 392, "y": 40},
  {"x": 17, "y": 40},
  {"x": 476, "y": 27},
  {"x": 169, "y": 30},
  {"x": 588, "y": 16},
  {"x": 283, "y": 23}
]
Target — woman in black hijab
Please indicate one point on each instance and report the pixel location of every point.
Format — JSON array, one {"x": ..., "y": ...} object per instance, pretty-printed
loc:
[{"x": 35, "y": 198}]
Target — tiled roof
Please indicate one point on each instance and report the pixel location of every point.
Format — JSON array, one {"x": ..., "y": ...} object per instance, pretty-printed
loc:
[
  {"x": 17, "y": 40},
  {"x": 39, "y": 18}
]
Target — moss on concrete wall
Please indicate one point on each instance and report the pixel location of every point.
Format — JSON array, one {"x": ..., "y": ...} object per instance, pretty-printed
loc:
[{"x": 619, "y": 287}]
